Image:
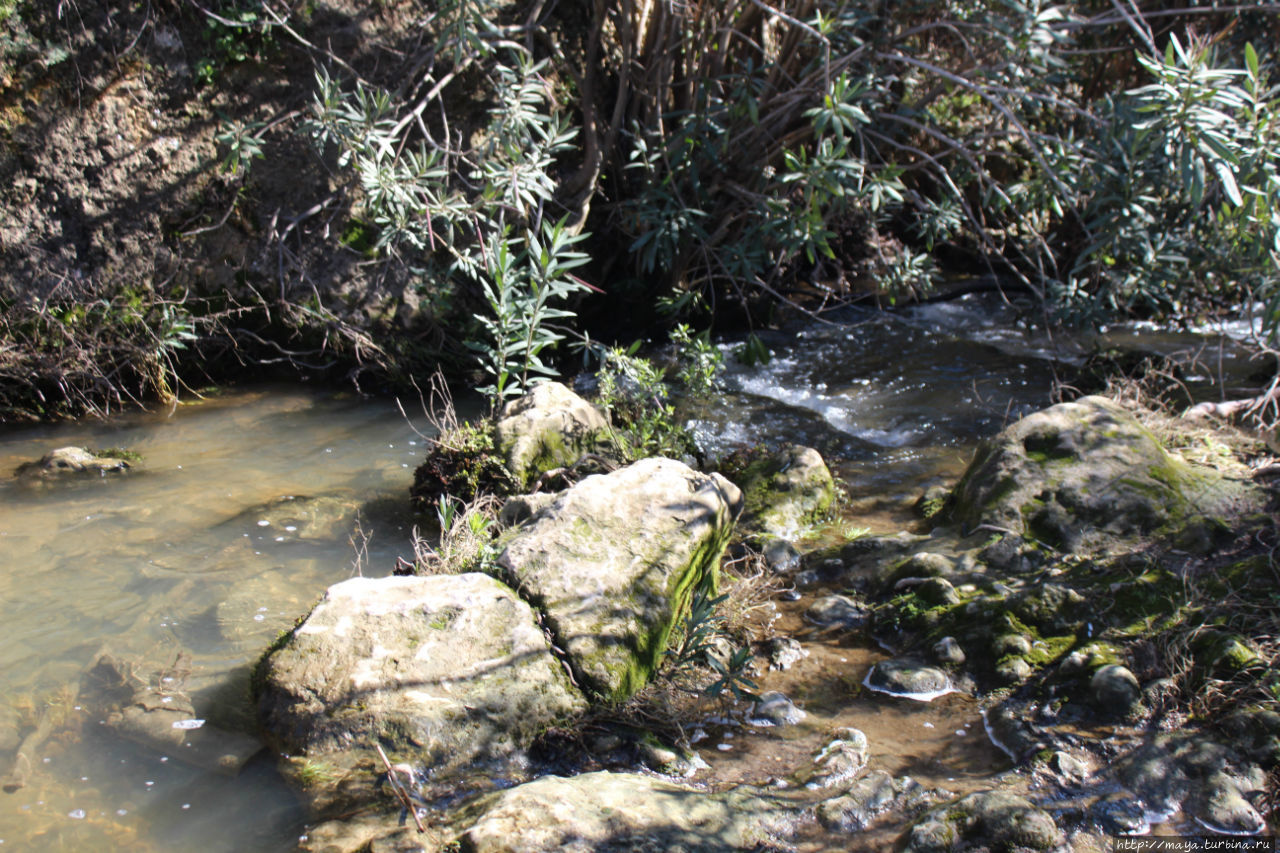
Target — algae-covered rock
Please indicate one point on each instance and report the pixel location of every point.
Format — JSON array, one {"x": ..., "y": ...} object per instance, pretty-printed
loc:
[
  {"x": 73, "y": 460},
  {"x": 1077, "y": 470},
  {"x": 613, "y": 560},
  {"x": 616, "y": 812},
  {"x": 446, "y": 670},
  {"x": 994, "y": 820},
  {"x": 784, "y": 491},
  {"x": 549, "y": 427}
]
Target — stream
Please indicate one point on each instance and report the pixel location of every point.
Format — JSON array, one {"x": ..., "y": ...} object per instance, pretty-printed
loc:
[{"x": 246, "y": 505}]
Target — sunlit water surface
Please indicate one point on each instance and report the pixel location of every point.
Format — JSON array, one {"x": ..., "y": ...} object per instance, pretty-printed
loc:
[{"x": 180, "y": 555}]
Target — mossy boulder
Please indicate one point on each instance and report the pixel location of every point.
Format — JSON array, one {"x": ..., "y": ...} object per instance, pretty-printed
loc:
[
  {"x": 1077, "y": 472},
  {"x": 549, "y": 427},
  {"x": 445, "y": 671},
  {"x": 616, "y": 812},
  {"x": 994, "y": 820},
  {"x": 613, "y": 561},
  {"x": 784, "y": 491}
]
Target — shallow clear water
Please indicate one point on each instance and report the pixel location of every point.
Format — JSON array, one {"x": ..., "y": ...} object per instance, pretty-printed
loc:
[{"x": 180, "y": 555}]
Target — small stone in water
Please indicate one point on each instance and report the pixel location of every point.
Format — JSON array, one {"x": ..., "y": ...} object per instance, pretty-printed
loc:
[
  {"x": 77, "y": 814},
  {"x": 188, "y": 724},
  {"x": 264, "y": 523},
  {"x": 122, "y": 812},
  {"x": 961, "y": 733},
  {"x": 724, "y": 747},
  {"x": 258, "y": 617},
  {"x": 290, "y": 527}
]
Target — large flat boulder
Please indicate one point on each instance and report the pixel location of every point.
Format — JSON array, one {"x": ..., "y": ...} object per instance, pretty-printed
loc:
[
  {"x": 613, "y": 560},
  {"x": 445, "y": 671},
  {"x": 1079, "y": 470},
  {"x": 615, "y": 811}
]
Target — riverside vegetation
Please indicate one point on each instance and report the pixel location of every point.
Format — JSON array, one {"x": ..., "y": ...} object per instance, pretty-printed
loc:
[{"x": 360, "y": 191}]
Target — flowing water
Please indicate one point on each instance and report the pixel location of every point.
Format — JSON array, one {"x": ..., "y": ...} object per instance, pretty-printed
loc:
[{"x": 246, "y": 506}]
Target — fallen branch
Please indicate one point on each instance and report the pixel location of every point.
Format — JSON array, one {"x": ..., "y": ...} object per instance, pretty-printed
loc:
[{"x": 398, "y": 788}]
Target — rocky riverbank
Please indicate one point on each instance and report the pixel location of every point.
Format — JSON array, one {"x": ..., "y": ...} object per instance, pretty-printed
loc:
[{"x": 1079, "y": 580}]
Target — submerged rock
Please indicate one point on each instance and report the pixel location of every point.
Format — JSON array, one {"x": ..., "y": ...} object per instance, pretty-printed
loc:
[
  {"x": 613, "y": 561},
  {"x": 838, "y": 611},
  {"x": 1209, "y": 781},
  {"x": 993, "y": 819},
  {"x": 447, "y": 671},
  {"x": 72, "y": 460},
  {"x": 322, "y": 517},
  {"x": 159, "y": 715},
  {"x": 1079, "y": 470},
  {"x": 616, "y": 812},
  {"x": 840, "y": 760},
  {"x": 549, "y": 427},
  {"x": 868, "y": 799},
  {"x": 775, "y": 709},
  {"x": 785, "y": 490}
]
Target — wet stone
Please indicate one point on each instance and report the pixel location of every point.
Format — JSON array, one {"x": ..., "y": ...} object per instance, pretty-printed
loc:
[
  {"x": 775, "y": 709},
  {"x": 837, "y": 611},
  {"x": 783, "y": 652},
  {"x": 1014, "y": 671},
  {"x": 1225, "y": 808},
  {"x": 781, "y": 556},
  {"x": 995, "y": 820},
  {"x": 1122, "y": 815},
  {"x": 909, "y": 678},
  {"x": 948, "y": 651},
  {"x": 1070, "y": 769},
  {"x": 669, "y": 760},
  {"x": 840, "y": 760},
  {"x": 867, "y": 799}
]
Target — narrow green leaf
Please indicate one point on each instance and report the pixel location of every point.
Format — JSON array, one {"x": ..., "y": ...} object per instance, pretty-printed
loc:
[{"x": 1228, "y": 182}]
